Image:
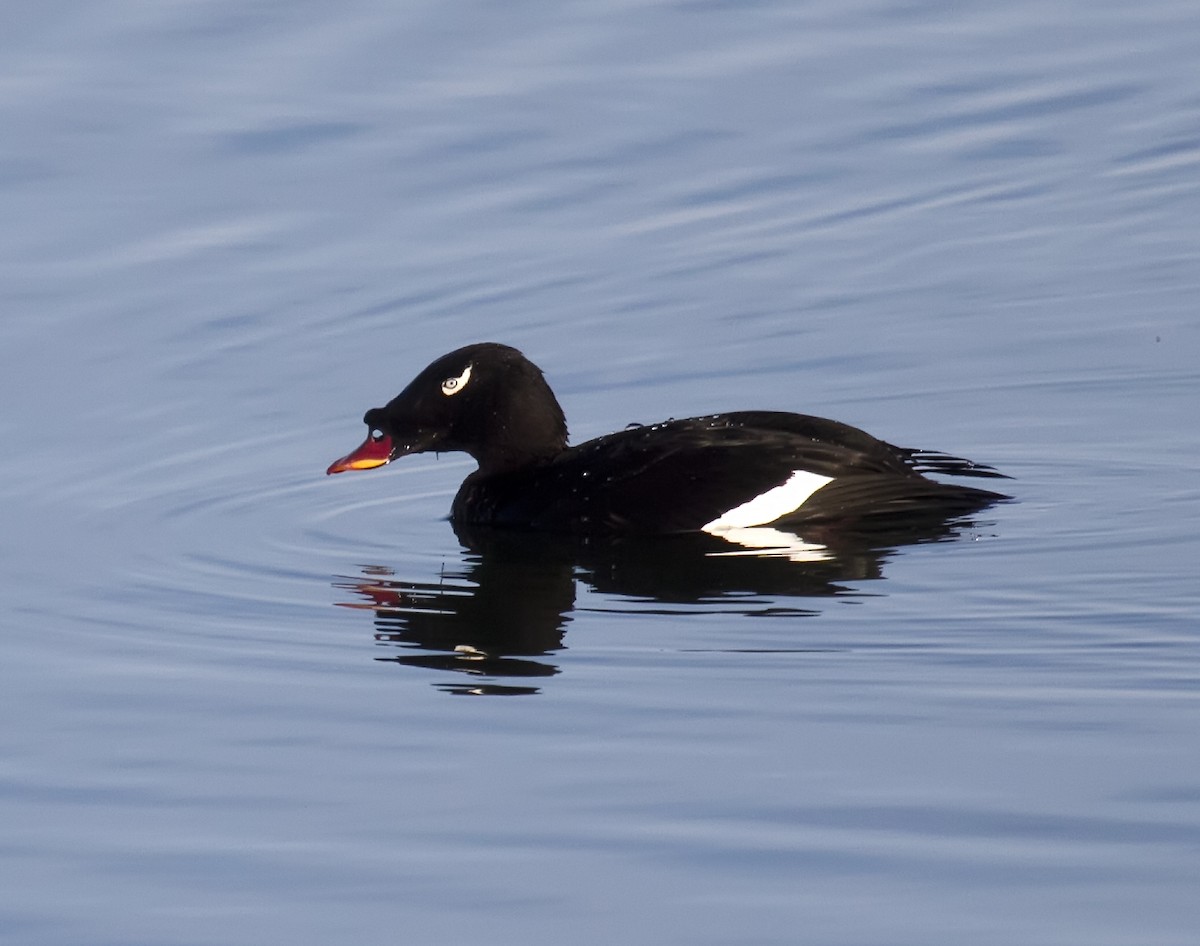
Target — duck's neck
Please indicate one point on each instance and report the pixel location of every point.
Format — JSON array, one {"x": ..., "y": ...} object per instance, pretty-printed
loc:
[{"x": 525, "y": 428}]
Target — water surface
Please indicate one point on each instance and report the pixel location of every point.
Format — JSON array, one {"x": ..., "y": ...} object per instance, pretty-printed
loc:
[{"x": 247, "y": 703}]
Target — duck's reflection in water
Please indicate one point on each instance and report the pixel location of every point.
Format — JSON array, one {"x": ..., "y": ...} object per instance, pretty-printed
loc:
[
  {"x": 501, "y": 611},
  {"x": 488, "y": 615}
]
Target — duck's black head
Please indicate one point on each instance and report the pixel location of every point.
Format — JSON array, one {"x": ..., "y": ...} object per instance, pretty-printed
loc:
[{"x": 487, "y": 400}]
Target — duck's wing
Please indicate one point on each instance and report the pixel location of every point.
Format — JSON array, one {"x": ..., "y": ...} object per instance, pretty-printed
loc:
[{"x": 726, "y": 471}]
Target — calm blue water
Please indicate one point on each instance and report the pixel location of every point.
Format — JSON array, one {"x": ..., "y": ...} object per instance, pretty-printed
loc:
[{"x": 233, "y": 710}]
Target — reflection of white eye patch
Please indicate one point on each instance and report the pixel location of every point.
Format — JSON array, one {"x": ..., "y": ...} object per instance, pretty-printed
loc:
[{"x": 454, "y": 385}]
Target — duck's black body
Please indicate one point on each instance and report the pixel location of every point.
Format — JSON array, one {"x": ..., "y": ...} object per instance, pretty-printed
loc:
[{"x": 717, "y": 473}]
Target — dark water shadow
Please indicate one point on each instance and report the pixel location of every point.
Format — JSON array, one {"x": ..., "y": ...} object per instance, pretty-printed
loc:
[{"x": 499, "y": 613}]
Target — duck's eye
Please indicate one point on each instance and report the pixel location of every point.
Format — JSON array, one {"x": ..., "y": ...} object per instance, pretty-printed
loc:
[{"x": 454, "y": 385}]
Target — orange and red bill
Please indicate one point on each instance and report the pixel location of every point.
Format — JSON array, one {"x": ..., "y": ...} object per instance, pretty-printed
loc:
[{"x": 375, "y": 451}]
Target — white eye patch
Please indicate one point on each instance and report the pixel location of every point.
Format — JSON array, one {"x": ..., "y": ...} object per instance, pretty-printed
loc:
[{"x": 452, "y": 386}]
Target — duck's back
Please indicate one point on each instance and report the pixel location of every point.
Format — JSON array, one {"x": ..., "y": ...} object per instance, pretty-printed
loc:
[{"x": 722, "y": 471}]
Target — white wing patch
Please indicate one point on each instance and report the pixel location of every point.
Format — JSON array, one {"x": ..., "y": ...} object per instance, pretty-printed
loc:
[
  {"x": 452, "y": 386},
  {"x": 771, "y": 505}
]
